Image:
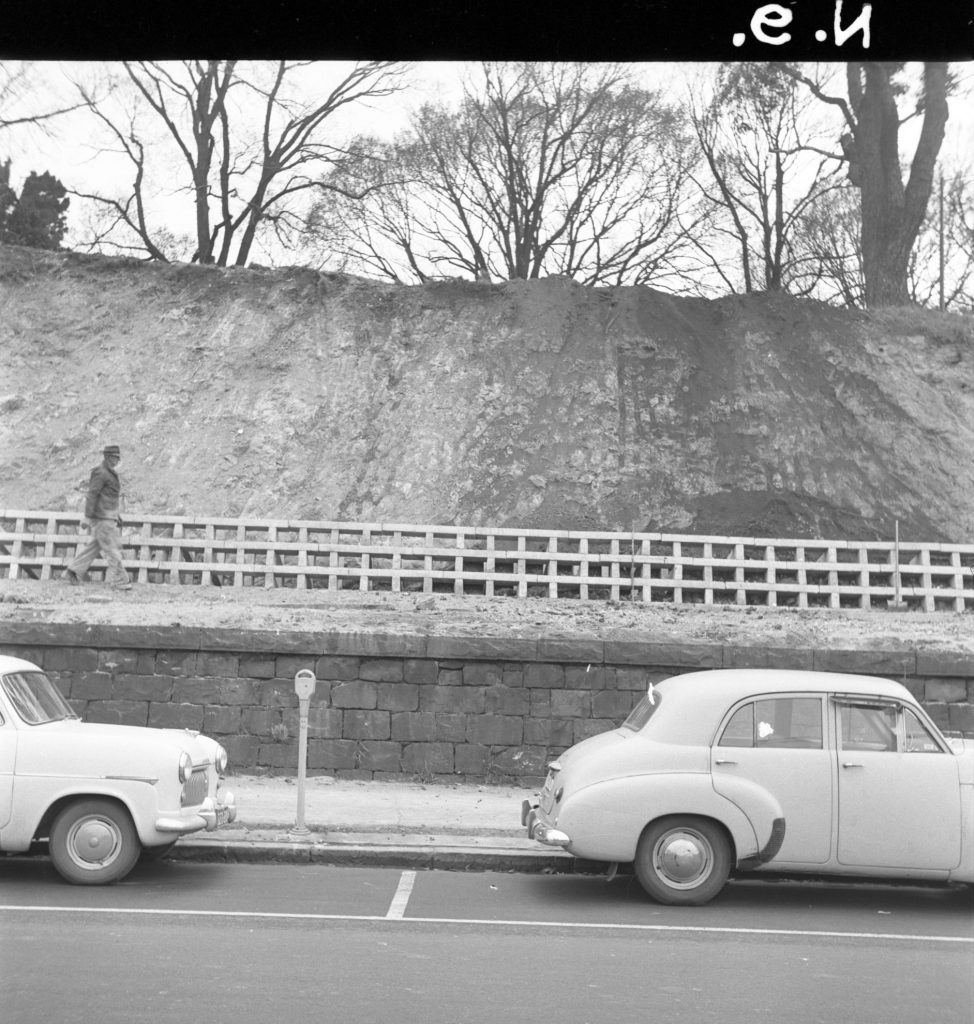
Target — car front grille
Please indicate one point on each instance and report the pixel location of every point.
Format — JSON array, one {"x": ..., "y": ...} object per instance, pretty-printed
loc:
[{"x": 194, "y": 791}]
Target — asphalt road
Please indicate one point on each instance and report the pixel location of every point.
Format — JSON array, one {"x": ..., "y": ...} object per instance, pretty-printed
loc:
[{"x": 268, "y": 943}]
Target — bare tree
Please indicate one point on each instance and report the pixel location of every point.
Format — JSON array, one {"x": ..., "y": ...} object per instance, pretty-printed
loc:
[
  {"x": 892, "y": 210},
  {"x": 20, "y": 102},
  {"x": 242, "y": 179},
  {"x": 763, "y": 171},
  {"x": 544, "y": 169}
]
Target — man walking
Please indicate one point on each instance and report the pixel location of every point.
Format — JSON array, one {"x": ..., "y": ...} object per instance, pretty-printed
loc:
[{"x": 101, "y": 514}]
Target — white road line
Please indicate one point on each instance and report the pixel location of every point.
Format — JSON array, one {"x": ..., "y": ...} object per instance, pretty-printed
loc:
[
  {"x": 480, "y": 922},
  {"x": 398, "y": 906}
]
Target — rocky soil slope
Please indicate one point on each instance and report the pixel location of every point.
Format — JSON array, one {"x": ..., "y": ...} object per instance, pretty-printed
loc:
[{"x": 294, "y": 394}]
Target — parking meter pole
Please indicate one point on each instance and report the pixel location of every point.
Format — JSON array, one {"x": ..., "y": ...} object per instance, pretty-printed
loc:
[{"x": 304, "y": 687}]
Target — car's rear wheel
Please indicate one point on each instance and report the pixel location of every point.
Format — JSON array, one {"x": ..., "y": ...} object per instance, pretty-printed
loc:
[
  {"x": 683, "y": 860},
  {"x": 93, "y": 842}
]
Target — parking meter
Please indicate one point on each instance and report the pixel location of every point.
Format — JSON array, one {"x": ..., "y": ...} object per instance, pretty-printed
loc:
[{"x": 304, "y": 687}]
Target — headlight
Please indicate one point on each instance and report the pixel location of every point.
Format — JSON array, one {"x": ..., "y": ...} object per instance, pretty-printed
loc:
[
  {"x": 185, "y": 767},
  {"x": 220, "y": 761}
]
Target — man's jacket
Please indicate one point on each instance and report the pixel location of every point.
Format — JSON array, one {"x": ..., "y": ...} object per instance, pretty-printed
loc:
[{"x": 103, "y": 492}]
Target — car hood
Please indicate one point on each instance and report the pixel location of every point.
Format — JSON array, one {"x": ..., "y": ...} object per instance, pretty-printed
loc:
[{"x": 90, "y": 748}]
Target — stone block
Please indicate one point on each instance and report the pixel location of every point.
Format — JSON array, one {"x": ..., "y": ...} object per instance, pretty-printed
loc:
[
  {"x": 947, "y": 691},
  {"x": 119, "y": 661},
  {"x": 358, "y": 694},
  {"x": 287, "y": 666},
  {"x": 940, "y": 713},
  {"x": 89, "y": 686},
  {"x": 621, "y": 651},
  {"x": 397, "y": 697},
  {"x": 213, "y": 690},
  {"x": 482, "y": 673},
  {"x": 517, "y": 762},
  {"x": 118, "y": 712},
  {"x": 381, "y": 670},
  {"x": 258, "y": 721},
  {"x": 126, "y": 686},
  {"x": 419, "y": 671},
  {"x": 945, "y": 663},
  {"x": 589, "y": 650},
  {"x": 758, "y": 656},
  {"x": 450, "y": 728},
  {"x": 176, "y": 663},
  {"x": 549, "y": 732},
  {"x": 257, "y": 666},
  {"x": 379, "y": 756},
  {"x": 614, "y": 704},
  {"x": 323, "y": 723},
  {"x": 69, "y": 659},
  {"x": 278, "y": 693},
  {"x": 417, "y": 726},
  {"x": 471, "y": 759},
  {"x": 494, "y": 730},
  {"x": 373, "y": 645},
  {"x": 505, "y": 700},
  {"x": 452, "y": 699},
  {"x": 636, "y": 678},
  {"x": 366, "y": 725},
  {"x": 544, "y": 675},
  {"x": 218, "y": 721},
  {"x": 540, "y": 703},
  {"x": 589, "y": 677},
  {"x": 331, "y": 754},
  {"x": 427, "y": 758},
  {"x": 176, "y": 716},
  {"x": 585, "y": 727},
  {"x": 241, "y": 751},
  {"x": 221, "y": 664},
  {"x": 279, "y": 755},
  {"x": 35, "y": 655},
  {"x": 513, "y": 675},
  {"x": 481, "y": 648},
  {"x": 892, "y": 664},
  {"x": 570, "y": 704},
  {"x": 332, "y": 667},
  {"x": 449, "y": 677},
  {"x": 960, "y": 718}
]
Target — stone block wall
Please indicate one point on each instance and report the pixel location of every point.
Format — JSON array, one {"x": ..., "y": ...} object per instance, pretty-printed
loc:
[{"x": 415, "y": 706}]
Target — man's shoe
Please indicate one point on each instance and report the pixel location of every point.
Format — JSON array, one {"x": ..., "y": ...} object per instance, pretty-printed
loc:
[{"x": 71, "y": 577}]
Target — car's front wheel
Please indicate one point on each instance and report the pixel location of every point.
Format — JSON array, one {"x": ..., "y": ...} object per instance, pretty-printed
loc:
[
  {"x": 683, "y": 860},
  {"x": 93, "y": 842}
]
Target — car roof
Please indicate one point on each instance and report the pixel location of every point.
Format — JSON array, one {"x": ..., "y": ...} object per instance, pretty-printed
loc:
[
  {"x": 11, "y": 664},
  {"x": 694, "y": 703}
]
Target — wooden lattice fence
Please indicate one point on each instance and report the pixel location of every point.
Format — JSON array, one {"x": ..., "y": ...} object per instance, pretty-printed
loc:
[{"x": 585, "y": 566}]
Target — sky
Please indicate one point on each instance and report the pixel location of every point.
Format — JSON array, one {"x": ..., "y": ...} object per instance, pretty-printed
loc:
[{"x": 70, "y": 155}]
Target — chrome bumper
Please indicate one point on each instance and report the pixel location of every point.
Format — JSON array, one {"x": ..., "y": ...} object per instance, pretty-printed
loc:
[
  {"x": 538, "y": 829},
  {"x": 212, "y": 814}
]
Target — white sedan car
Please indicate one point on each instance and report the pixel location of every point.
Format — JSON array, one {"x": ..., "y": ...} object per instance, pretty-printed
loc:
[
  {"x": 788, "y": 772},
  {"x": 101, "y": 795}
]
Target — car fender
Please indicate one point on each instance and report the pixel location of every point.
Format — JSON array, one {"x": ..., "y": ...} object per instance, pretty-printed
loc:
[
  {"x": 36, "y": 797},
  {"x": 605, "y": 820},
  {"x": 763, "y": 811}
]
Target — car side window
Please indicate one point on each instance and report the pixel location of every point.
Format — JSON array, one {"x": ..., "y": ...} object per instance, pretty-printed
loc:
[
  {"x": 917, "y": 737},
  {"x": 789, "y": 722},
  {"x": 867, "y": 728}
]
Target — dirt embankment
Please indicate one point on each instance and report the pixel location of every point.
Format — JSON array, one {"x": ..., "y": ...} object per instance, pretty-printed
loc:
[{"x": 293, "y": 394}]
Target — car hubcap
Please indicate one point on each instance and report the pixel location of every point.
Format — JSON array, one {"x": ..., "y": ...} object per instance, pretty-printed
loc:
[
  {"x": 682, "y": 859},
  {"x": 94, "y": 842}
]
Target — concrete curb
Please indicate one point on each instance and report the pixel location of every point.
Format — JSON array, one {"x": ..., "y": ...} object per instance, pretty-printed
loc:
[{"x": 442, "y": 853}]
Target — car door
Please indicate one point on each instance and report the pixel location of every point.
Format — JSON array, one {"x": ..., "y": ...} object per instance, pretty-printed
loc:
[
  {"x": 8, "y": 757},
  {"x": 899, "y": 789},
  {"x": 778, "y": 742}
]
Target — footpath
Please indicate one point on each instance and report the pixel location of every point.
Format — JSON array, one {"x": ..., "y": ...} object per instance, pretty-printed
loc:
[{"x": 449, "y": 826}]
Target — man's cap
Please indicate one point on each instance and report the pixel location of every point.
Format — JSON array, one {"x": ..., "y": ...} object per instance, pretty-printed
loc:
[{"x": 112, "y": 449}]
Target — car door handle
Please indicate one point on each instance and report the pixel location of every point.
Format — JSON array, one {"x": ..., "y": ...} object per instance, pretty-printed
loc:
[
  {"x": 719, "y": 761},
  {"x": 851, "y": 764}
]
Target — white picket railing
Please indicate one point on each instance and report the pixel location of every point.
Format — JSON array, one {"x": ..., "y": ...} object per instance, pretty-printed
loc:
[{"x": 586, "y": 566}]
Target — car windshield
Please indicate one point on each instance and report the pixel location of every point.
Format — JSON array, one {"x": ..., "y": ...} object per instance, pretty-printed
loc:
[{"x": 35, "y": 698}]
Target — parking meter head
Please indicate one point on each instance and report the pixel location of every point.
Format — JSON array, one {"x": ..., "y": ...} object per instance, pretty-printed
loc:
[{"x": 304, "y": 684}]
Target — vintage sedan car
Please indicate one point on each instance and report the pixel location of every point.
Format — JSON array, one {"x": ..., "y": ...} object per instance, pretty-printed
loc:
[
  {"x": 730, "y": 771},
  {"x": 100, "y": 795}
]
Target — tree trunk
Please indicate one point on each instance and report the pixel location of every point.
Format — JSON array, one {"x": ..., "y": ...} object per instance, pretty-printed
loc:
[{"x": 891, "y": 212}]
